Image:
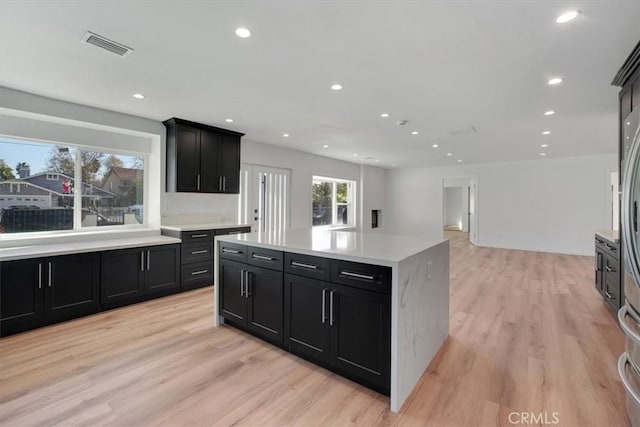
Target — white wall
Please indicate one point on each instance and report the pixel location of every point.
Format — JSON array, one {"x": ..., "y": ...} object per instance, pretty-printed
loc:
[
  {"x": 550, "y": 205},
  {"x": 372, "y": 197},
  {"x": 453, "y": 206}
]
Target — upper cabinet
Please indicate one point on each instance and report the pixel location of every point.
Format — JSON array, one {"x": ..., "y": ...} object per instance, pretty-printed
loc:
[{"x": 201, "y": 158}]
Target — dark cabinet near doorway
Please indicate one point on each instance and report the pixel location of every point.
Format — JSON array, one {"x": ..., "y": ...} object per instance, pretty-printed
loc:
[
  {"x": 201, "y": 158},
  {"x": 607, "y": 271},
  {"x": 41, "y": 291},
  {"x": 132, "y": 275}
]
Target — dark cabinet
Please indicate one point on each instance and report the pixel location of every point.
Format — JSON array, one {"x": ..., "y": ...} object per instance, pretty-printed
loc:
[
  {"x": 252, "y": 297},
  {"x": 41, "y": 291},
  {"x": 202, "y": 158},
  {"x": 131, "y": 275},
  {"x": 607, "y": 272}
]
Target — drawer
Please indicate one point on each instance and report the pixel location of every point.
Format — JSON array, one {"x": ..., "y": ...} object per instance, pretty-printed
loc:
[
  {"x": 610, "y": 265},
  {"x": 237, "y": 230},
  {"x": 365, "y": 276},
  {"x": 197, "y": 274},
  {"x": 308, "y": 266},
  {"x": 266, "y": 258},
  {"x": 196, "y": 236},
  {"x": 197, "y": 252},
  {"x": 612, "y": 248},
  {"x": 233, "y": 251}
]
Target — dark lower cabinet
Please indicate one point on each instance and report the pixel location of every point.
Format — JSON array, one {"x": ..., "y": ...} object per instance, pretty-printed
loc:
[
  {"x": 131, "y": 275},
  {"x": 37, "y": 292},
  {"x": 344, "y": 328},
  {"x": 607, "y": 272},
  {"x": 252, "y": 297}
]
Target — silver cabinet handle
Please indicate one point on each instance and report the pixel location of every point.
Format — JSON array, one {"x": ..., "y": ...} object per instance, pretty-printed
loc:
[
  {"x": 303, "y": 265},
  {"x": 219, "y": 183},
  {"x": 196, "y": 273},
  {"x": 611, "y": 248},
  {"x": 148, "y": 260},
  {"x": 198, "y": 182},
  {"x": 324, "y": 308},
  {"x": 622, "y": 364},
  {"x": 230, "y": 251},
  {"x": 247, "y": 282},
  {"x": 331, "y": 308},
  {"x": 262, "y": 257},
  {"x": 50, "y": 278},
  {"x": 141, "y": 260},
  {"x": 609, "y": 269},
  {"x": 203, "y": 251},
  {"x": 39, "y": 275},
  {"x": 357, "y": 275},
  {"x": 608, "y": 295},
  {"x": 242, "y": 282},
  {"x": 224, "y": 183},
  {"x": 197, "y": 236}
]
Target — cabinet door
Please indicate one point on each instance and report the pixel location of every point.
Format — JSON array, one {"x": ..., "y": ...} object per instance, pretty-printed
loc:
[
  {"x": 265, "y": 304},
  {"x": 230, "y": 163},
  {"x": 306, "y": 317},
  {"x": 162, "y": 269},
  {"x": 361, "y": 335},
  {"x": 21, "y": 295},
  {"x": 187, "y": 158},
  {"x": 599, "y": 271},
  {"x": 210, "y": 177},
  {"x": 122, "y": 274},
  {"x": 72, "y": 286},
  {"x": 232, "y": 302}
]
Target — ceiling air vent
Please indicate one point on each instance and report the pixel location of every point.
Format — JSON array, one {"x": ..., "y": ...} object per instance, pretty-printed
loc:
[
  {"x": 464, "y": 131},
  {"x": 106, "y": 44}
]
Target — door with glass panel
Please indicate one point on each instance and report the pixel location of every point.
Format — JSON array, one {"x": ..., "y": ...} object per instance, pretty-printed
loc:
[{"x": 264, "y": 198}]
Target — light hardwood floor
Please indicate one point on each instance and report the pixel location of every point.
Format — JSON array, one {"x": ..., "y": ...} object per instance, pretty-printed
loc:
[{"x": 529, "y": 333}]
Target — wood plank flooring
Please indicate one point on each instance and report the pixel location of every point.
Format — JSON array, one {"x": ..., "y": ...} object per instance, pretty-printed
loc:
[{"x": 529, "y": 333}]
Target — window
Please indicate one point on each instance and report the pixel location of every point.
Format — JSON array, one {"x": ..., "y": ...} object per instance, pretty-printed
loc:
[
  {"x": 333, "y": 202},
  {"x": 69, "y": 188}
]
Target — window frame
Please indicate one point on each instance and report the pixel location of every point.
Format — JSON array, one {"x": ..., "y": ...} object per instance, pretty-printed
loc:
[
  {"x": 351, "y": 202},
  {"x": 78, "y": 228}
]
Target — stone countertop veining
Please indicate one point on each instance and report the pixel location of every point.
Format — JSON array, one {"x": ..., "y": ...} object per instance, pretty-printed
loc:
[
  {"x": 202, "y": 226},
  {"x": 380, "y": 249},
  {"x": 610, "y": 235},
  {"x": 54, "y": 249}
]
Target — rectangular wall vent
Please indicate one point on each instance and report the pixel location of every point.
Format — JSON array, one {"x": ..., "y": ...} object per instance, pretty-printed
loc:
[
  {"x": 465, "y": 131},
  {"x": 106, "y": 44}
]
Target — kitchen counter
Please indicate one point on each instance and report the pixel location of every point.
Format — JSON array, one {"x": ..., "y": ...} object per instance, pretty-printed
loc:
[
  {"x": 419, "y": 288},
  {"x": 611, "y": 235},
  {"x": 202, "y": 226},
  {"x": 53, "y": 249}
]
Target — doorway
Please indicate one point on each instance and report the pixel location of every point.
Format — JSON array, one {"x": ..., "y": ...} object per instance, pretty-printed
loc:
[
  {"x": 264, "y": 200},
  {"x": 460, "y": 207}
]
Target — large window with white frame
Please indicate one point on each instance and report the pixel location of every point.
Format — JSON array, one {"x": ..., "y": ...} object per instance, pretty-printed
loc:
[
  {"x": 52, "y": 187},
  {"x": 333, "y": 202}
]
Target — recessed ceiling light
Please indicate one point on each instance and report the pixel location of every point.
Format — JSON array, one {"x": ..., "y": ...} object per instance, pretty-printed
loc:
[
  {"x": 435, "y": 145},
  {"x": 355, "y": 154},
  {"x": 546, "y": 132},
  {"x": 449, "y": 154},
  {"x": 555, "y": 81},
  {"x": 384, "y": 115},
  {"x": 544, "y": 145},
  {"x": 325, "y": 146},
  {"x": 549, "y": 113},
  {"x": 138, "y": 96},
  {"x": 377, "y": 160},
  {"x": 459, "y": 161},
  {"x": 567, "y": 16},
  {"x": 243, "y": 32},
  {"x": 286, "y": 135},
  {"x": 543, "y": 154},
  {"x": 336, "y": 87},
  {"x": 415, "y": 132},
  {"x": 228, "y": 120},
  {"x": 393, "y": 164}
]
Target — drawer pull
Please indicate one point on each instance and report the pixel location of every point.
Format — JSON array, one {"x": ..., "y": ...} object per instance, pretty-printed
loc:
[
  {"x": 203, "y": 251},
  {"x": 608, "y": 294},
  {"x": 609, "y": 269},
  {"x": 262, "y": 257},
  {"x": 357, "y": 275},
  {"x": 611, "y": 248},
  {"x": 196, "y": 236},
  {"x": 230, "y": 251},
  {"x": 303, "y": 265},
  {"x": 196, "y": 273}
]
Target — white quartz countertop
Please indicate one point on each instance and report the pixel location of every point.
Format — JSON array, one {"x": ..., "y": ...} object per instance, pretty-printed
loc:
[
  {"x": 202, "y": 226},
  {"x": 610, "y": 235},
  {"x": 380, "y": 249},
  {"x": 52, "y": 249}
]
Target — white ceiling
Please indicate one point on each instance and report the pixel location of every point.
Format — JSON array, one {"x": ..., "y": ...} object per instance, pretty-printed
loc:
[{"x": 442, "y": 65}]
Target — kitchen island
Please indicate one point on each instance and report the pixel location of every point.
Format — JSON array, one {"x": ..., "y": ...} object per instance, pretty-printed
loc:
[{"x": 372, "y": 307}]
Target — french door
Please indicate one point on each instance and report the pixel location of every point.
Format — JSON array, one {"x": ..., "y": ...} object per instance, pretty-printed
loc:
[{"x": 264, "y": 198}]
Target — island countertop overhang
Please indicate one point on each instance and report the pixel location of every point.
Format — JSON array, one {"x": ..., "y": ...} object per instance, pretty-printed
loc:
[{"x": 379, "y": 249}]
